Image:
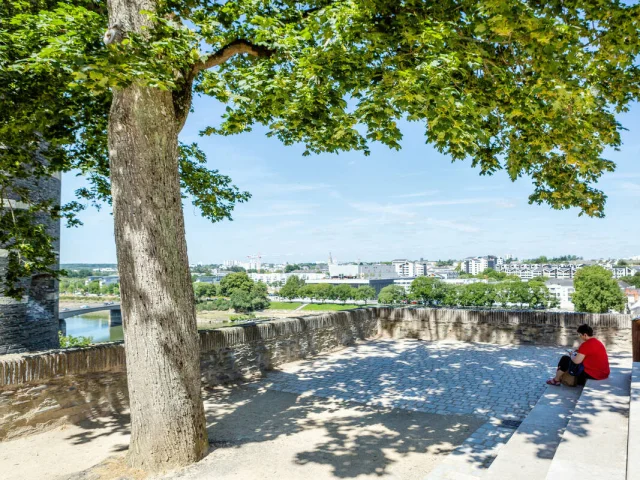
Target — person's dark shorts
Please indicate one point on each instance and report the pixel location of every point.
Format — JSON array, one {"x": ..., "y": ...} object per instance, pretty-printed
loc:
[{"x": 564, "y": 364}]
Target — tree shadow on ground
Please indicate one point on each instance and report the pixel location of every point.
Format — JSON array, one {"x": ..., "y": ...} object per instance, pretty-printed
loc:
[{"x": 352, "y": 439}]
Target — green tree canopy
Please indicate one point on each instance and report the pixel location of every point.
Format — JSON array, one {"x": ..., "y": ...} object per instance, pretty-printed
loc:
[
  {"x": 364, "y": 293},
  {"x": 291, "y": 268},
  {"x": 233, "y": 281},
  {"x": 428, "y": 290},
  {"x": 291, "y": 288},
  {"x": 344, "y": 292},
  {"x": 392, "y": 294},
  {"x": 632, "y": 279},
  {"x": 597, "y": 291},
  {"x": 203, "y": 290},
  {"x": 324, "y": 291},
  {"x": 528, "y": 88}
]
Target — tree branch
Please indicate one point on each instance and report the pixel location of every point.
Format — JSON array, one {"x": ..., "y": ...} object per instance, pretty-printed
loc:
[{"x": 236, "y": 47}]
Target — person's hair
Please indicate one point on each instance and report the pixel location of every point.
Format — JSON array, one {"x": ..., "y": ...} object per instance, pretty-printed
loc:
[{"x": 585, "y": 329}]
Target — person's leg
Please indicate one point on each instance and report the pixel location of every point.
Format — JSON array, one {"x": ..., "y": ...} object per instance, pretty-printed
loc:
[
  {"x": 563, "y": 366},
  {"x": 583, "y": 377}
]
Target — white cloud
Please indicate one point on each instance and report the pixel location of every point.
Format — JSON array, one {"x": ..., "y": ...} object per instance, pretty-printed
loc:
[
  {"x": 461, "y": 227},
  {"x": 505, "y": 204},
  {"x": 621, "y": 175},
  {"x": 460, "y": 201},
  {"x": 486, "y": 188},
  {"x": 419, "y": 194},
  {"x": 405, "y": 209},
  {"x": 294, "y": 187},
  {"x": 630, "y": 188},
  {"x": 283, "y": 210},
  {"x": 378, "y": 209},
  {"x": 413, "y": 174}
]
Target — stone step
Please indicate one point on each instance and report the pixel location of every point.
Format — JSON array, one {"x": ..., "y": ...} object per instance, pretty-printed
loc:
[
  {"x": 594, "y": 444},
  {"x": 633, "y": 458},
  {"x": 528, "y": 453},
  {"x": 470, "y": 460}
]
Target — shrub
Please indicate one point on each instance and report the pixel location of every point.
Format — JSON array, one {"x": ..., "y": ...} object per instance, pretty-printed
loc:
[
  {"x": 241, "y": 318},
  {"x": 71, "y": 341}
]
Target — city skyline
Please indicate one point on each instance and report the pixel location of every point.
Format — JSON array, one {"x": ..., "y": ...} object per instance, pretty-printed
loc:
[{"x": 412, "y": 203}]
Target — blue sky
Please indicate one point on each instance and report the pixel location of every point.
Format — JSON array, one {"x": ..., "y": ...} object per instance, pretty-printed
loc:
[{"x": 413, "y": 203}]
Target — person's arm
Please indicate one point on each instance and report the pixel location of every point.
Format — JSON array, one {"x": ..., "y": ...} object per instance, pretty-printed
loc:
[{"x": 579, "y": 357}]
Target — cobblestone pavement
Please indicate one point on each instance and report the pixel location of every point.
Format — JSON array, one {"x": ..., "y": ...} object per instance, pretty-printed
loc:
[
  {"x": 500, "y": 383},
  {"x": 493, "y": 381}
]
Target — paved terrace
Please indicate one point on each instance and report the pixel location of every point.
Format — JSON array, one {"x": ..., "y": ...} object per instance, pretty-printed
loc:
[
  {"x": 381, "y": 409},
  {"x": 490, "y": 381}
]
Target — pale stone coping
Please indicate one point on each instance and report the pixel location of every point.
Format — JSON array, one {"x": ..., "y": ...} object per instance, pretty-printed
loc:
[
  {"x": 510, "y": 317},
  {"x": 633, "y": 458}
]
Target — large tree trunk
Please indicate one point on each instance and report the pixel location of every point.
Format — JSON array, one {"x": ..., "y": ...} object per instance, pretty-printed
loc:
[{"x": 161, "y": 339}]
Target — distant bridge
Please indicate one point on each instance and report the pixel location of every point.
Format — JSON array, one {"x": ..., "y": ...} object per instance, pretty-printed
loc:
[{"x": 115, "y": 314}]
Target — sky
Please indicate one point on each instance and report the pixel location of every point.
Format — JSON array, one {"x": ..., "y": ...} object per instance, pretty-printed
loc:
[{"x": 413, "y": 203}]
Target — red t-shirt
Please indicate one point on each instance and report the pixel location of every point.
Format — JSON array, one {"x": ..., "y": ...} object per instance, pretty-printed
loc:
[{"x": 596, "y": 361}]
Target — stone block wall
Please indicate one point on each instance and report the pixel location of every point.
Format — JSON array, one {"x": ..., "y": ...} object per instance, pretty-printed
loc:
[
  {"x": 242, "y": 352},
  {"x": 505, "y": 327},
  {"x": 39, "y": 390},
  {"x": 31, "y": 323},
  {"x": 43, "y": 390}
]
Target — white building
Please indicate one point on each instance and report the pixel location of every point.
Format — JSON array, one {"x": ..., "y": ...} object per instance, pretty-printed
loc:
[
  {"x": 407, "y": 268},
  {"x": 563, "y": 290},
  {"x": 271, "y": 278},
  {"x": 476, "y": 265},
  {"x": 527, "y": 271},
  {"x": 362, "y": 271}
]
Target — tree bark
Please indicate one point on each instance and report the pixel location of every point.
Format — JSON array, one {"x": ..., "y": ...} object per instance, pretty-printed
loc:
[{"x": 161, "y": 340}]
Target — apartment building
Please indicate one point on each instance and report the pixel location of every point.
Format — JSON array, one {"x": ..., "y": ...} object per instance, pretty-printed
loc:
[
  {"x": 363, "y": 271},
  {"x": 476, "y": 265},
  {"x": 563, "y": 290},
  {"x": 407, "y": 268}
]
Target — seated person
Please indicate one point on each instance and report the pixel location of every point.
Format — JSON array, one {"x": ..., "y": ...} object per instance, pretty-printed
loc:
[{"x": 591, "y": 354}]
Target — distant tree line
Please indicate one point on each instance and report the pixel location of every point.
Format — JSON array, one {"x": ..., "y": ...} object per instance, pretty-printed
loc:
[
  {"x": 73, "y": 286},
  {"x": 560, "y": 259},
  {"x": 435, "y": 293},
  {"x": 235, "y": 290},
  {"x": 491, "y": 274},
  {"x": 297, "y": 288},
  {"x": 632, "y": 279}
]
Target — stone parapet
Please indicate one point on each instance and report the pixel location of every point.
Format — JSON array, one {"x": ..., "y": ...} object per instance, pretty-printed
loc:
[
  {"x": 505, "y": 327},
  {"x": 38, "y": 390},
  {"x": 244, "y": 351}
]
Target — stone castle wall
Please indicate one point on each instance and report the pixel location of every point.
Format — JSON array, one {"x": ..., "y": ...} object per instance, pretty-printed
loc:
[{"x": 31, "y": 323}]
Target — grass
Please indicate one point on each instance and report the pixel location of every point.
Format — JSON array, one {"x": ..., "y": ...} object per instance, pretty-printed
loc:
[
  {"x": 329, "y": 307},
  {"x": 284, "y": 305}
]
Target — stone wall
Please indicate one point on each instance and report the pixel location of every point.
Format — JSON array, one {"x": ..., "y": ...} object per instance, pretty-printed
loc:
[
  {"x": 31, "y": 323},
  {"x": 242, "y": 352},
  {"x": 504, "y": 327},
  {"x": 41, "y": 390}
]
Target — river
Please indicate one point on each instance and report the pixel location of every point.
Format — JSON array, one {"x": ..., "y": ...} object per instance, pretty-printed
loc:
[{"x": 96, "y": 326}]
